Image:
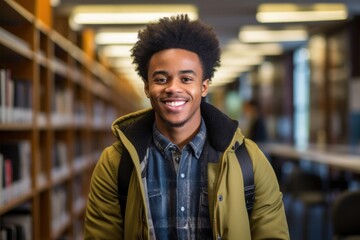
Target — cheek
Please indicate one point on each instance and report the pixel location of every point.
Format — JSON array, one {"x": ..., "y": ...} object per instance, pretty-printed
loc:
[
  {"x": 153, "y": 92},
  {"x": 196, "y": 92}
]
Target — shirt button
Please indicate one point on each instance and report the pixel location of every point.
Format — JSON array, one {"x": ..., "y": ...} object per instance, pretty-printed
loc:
[
  {"x": 182, "y": 175},
  {"x": 177, "y": 159},
  {"x": 182, "y": 209}
]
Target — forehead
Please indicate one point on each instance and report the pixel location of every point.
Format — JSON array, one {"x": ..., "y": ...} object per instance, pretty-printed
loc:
[{"x": 173, "y": 58}]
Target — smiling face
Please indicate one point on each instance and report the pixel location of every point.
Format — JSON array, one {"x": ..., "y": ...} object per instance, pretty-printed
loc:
[{"x": 175, "y": 87}]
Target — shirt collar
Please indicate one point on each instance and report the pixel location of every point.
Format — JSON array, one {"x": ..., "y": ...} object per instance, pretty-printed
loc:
[{"x": 197, "y": 143}]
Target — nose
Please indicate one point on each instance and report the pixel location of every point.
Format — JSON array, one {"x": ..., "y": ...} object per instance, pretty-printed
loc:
[{"x": 173, "y": 85}]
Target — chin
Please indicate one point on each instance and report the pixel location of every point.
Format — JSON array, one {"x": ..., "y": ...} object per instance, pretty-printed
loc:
[{"x": 174, "y": 124}]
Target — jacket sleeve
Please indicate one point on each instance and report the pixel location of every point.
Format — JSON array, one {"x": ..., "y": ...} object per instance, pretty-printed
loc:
[
  {"x": 268, "y": 220},
  {"x": 103, "y": 218}
]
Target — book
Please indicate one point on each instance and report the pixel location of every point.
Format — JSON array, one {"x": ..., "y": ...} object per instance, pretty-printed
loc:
[
  {"x": 11, "y": 153},
  {"x": 16, "y": 162},
  {"x": 9, "y": 101},
  {"x": 19, "y": 222},
  {"x": 22, "y": 101},
  {"x": 15, "y": 99},
  {"x": 1, "y": 179},
  {"x": 2, "y": 95}
]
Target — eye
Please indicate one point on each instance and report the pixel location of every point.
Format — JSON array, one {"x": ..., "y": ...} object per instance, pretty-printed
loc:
[
  {"x": 186, "y": 79},
  {"x": 160, "y": 80}
]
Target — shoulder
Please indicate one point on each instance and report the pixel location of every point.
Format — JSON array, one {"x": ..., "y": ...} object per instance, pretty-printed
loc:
[
  {"x": 261, "y": 164},
  {"x": 109, "y": 160},
  {"x": 254, "y": 151}
]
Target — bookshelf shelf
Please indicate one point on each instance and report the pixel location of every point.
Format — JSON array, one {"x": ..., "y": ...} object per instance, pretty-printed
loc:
[
  {"x": 5, "y": 207},
  {"x": 15, "y": 44},
  {"x": 15, "y": 127},
  {"x": 59, "y": 100}
]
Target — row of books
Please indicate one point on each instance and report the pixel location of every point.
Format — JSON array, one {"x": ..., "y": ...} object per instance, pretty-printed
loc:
[
  {"x": 63, "y": 101},
  {"x": 60, "y": 166},
  {"x": 15, "y": 99},
  {"x": 79, "y": 201},
  {"x": 59, "y": 207},
  {"x": 15, "y": 165},
  {"x": 17, "y": 224},
  {"x": 103, "y": 114}
]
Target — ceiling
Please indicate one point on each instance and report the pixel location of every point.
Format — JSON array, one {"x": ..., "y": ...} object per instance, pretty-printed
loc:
[{"x": 226, "y": 16}]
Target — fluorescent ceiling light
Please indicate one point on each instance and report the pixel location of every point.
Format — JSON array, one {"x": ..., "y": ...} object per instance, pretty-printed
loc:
[
  {"x": 278, "y": 12},
  {"x": 232, "y": 69},
  {"x": 116, "y": 50},
  {"x": 128, "y": 13},
  {"x": 227, "y": 74},
  {"x": 123, "y": 63},
  {"x": 236, "y": 48},
  {"x": 257, "y": 34},
  {"x": 55, "y": 3},
  {"x": 103, "y": 38},
  {"x": 237, "y": 61},
  {"x": 221, "y": 79}
]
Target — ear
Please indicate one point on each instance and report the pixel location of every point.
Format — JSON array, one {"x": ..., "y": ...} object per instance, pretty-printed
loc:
[
  {"x": 146, "y": 89},
  {"x": 205, "y": 87}
]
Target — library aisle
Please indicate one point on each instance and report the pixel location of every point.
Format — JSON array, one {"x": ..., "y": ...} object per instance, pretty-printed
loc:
[{"x": 57, "y": 102}]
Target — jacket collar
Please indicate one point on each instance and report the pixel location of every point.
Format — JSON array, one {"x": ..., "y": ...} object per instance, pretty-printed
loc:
[{"x": 138, "y": 127}]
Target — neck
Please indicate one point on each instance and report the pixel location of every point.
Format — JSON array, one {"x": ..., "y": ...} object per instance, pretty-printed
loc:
[{"x": 180, "y": 135}]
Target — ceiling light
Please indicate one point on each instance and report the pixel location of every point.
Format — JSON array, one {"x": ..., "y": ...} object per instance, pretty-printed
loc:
[
  {"x": 238, "y": 48},
  {"x": 116, "y": 50},
  {"x": 123, "y": 63},
  {"x": 232, "y": 69},
  {"x": 231, "y": 60},
  {"x": 257, "y": 34},
  {"x": 278, "y": 12},
  {"x": 55, "y": 3},
  {"x": 128, "y": 13},
  {"x": 116, "y": 38}
]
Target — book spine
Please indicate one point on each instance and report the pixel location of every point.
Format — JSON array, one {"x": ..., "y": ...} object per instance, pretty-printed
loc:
[
  {"x": 2, "y": 174},
  {"x": 8, "y": 179},
  {"x": 2, "y": 95},
  {"x": 9, "y": 97},
  {"x": 16, "y": 164}
]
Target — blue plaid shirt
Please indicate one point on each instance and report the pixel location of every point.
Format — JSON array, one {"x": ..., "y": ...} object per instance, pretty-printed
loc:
[{"x": 177, "y": 188}]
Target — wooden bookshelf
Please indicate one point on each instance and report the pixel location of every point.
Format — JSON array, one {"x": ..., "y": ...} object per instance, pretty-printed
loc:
[{"x": 65, "y": 120}]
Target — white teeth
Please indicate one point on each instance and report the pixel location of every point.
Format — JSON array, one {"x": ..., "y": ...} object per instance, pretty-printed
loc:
[{"x": 175, "y": 104}]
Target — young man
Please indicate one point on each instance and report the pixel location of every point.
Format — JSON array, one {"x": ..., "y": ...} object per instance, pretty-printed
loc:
[{"x": 186, "y": 182}]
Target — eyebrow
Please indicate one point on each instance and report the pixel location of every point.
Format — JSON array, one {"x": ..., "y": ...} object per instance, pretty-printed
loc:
[
  {"x": 162, "y": 72},
  {"x": 188, "y": 71}
]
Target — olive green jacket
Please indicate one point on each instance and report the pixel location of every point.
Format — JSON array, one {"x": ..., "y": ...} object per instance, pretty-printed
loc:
[{"x": 228, "y": 213}]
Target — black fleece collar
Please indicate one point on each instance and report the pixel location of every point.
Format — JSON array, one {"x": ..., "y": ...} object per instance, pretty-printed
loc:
[{"x": 220, "y": 129}]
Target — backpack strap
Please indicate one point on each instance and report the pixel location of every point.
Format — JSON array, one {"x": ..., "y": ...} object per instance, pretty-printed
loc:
[
  {"x": 126, "y": 167},
  {"x": 248, "y": 175},
  {"x": 125, "y": 170}
]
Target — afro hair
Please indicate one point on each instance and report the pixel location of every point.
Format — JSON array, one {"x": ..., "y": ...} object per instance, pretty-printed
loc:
[{"x": 177, "y": 32}]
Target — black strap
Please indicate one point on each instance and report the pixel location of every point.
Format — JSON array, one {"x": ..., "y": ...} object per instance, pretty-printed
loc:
[
  {"x": 126, "y": 167},
  {"x": 248, "y": 175}
]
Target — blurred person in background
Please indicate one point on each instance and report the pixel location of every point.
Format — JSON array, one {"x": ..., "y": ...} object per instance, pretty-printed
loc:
[
  {"x": 186, "y": 182},
  {"x": 256, "y": 126}
]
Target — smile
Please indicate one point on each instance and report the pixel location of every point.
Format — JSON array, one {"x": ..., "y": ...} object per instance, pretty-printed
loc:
[{"x": 175, "y": 103}]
